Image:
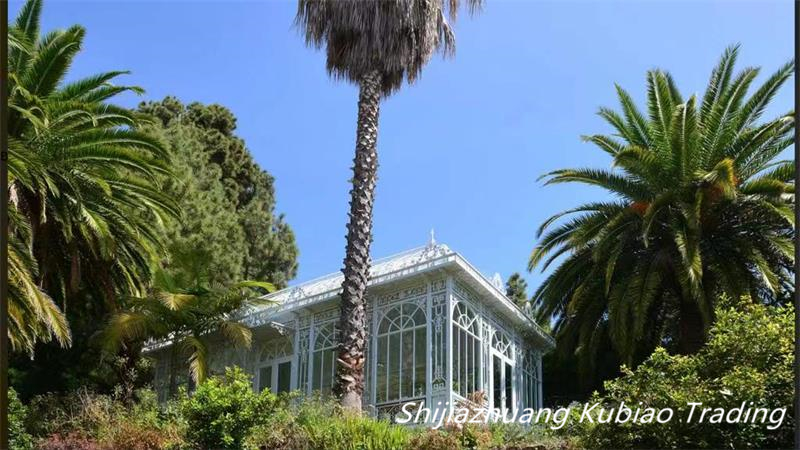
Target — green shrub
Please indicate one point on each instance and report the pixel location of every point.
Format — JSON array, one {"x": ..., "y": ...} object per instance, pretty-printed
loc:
[
  {"x": 495, "y": 436},
  {"x": 748, "y": 357},
  {"x": 317, "y": 424},
  {"x": 355, "y": 432},
  {"x": 223, "y": 409},
  {"x": 429, "y": 439},
  {"x": 279, "y": 432},
  {"x": 535, "y": 436},
  {"x": 328, "y": 427},
  {"x": 71, "y": 441},
  {"x": 86, "y": 420},
  {"x": 18, "y": 437}
]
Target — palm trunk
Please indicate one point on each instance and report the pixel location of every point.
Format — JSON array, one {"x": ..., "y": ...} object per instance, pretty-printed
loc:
[
  {"x": 690, "y": 328},
  {"x": 352, "y": 323}
]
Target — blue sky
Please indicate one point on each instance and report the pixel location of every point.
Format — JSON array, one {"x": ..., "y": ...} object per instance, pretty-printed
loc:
[{"x": 462, "y": 148}]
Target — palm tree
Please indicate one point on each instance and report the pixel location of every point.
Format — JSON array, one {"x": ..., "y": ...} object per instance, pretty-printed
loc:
[
  {"x": 376, "y": 45},
  {"x": 82, "y": 179},
  {"x": 184, "y": 309},
  {"x": 701, "y": 206}
]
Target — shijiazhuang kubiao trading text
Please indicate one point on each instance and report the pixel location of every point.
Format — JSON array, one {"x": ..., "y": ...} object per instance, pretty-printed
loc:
[{"x": 695, "y": 412}]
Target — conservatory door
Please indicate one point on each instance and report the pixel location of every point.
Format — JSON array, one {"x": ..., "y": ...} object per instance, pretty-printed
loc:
[
  {"x": 502, "y": 382},
  {"x": 276, "y": 375}
]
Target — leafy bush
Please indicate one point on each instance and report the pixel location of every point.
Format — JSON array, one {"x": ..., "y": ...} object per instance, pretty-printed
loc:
[
  {"x": 279, "y": 432},
  {"x": 319, "y": 424},
  {"x": 748, "y": 358},
  {"x": 18, "y": 437},
  {"x": 71, "y": 441},
  {"x": 515, "y": 436},
  {"x": 498, "y": 436},
  {"x": 225, "y": 413},
  {"x": 435, "y": 440},
  {"x": 223, "y": 409},
  {"x": 83, "y": 420},
  {"x": 356, "y": 432},
  {"x": 316, "y": 424},
  {"x": 329, "y": 427}
]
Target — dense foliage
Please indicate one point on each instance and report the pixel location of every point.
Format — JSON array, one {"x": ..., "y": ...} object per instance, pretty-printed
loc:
[
  {"x": 19, "y": 438},
  {"x": 84, "y": 196},
  {"x": 96, "y": 193},
  {"x": 85, "y": 208},
  {"x": 221, "y": 412},
  {"x": 84, "y": 421},
  {"x": 228, "y": 201},
  {"x": 701, "y": 205},
  {"x": 748, "y": 358},
  {"x": 517, "y": 290},
  {"x": 186, "y": 310},
  {"x": 225, "y": 413}
]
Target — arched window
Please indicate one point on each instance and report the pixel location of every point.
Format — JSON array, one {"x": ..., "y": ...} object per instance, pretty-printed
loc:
[
  {"x": 324, "y": 358},
  {"x": 275, "y": 348},
  {"x": 502, "y": 343},
  {"x": 502, "y": 383},
  {"x": 530, "y": 379},
  {"x": 466, "y": 350},
  {"x": 401, "y": 353},
  {"x": 274, "y": 365}
]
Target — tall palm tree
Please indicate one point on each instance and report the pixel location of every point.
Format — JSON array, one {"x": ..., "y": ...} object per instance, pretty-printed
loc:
[
  {"x": 701, "y": 206},
  {"x": 377, "y": 45},
  {"x": 185, "y": 309},
  {"x": 83, "y": 191}
]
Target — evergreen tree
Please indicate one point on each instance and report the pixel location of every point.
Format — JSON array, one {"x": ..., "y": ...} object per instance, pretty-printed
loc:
[
  {"x": 517, "y": 290},
  {"x": 227, "y": 199}
]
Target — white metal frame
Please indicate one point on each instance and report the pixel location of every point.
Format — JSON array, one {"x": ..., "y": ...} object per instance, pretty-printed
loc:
[
  {"x": 330, "y": 338},
  {"x": 399, "y": 326},
  {"x": 441, "y": 297},
  {"x": 501, "y": 349},
  {"x": 274, "y": 364}
]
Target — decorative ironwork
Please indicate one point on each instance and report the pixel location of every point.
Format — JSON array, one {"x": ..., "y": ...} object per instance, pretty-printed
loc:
[
  {"x": 276, "y": 348},
  {"x": 302, "y": 359},
  {"x": 439, "y": 344}
]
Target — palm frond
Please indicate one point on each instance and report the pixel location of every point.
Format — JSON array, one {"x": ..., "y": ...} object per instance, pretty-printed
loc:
[{"x": 619, "y": 185}]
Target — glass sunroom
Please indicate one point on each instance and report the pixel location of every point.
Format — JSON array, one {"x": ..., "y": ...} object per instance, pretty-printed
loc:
[{"x": 440, "y": 333}]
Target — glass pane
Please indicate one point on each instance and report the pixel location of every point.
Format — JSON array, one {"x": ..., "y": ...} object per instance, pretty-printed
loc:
[
  {"x": 470, "y": 383},
  {"x": 265, "y": 378},
  {"x": 407, "y": 364},
  {"x": 419, "y": 316},
  {"x": 456, "y": 360},
  {"x": 526, "y": 391},
  {"x": 327, "y": 370},
  {"x": 476, "y": 363},
  {"x": 381, "y": 368},
  {"x": 394, "y": 367},
  {"x": 420, "y": 351},
  {"x": 407, "y": 310},
  {"x": 384, "y": 327},
  {"x": 508, "y": 386},
  {"x": 497, "y": 382},
  {"x": 391, "y": 316},
  {"x": 284, "y": 376},
  {"x": 464, "y": 357},
  {"x": 317, "y": 374}
]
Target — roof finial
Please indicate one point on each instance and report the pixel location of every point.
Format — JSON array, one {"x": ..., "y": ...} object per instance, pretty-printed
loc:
[{"x": 432, "y": 242}]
